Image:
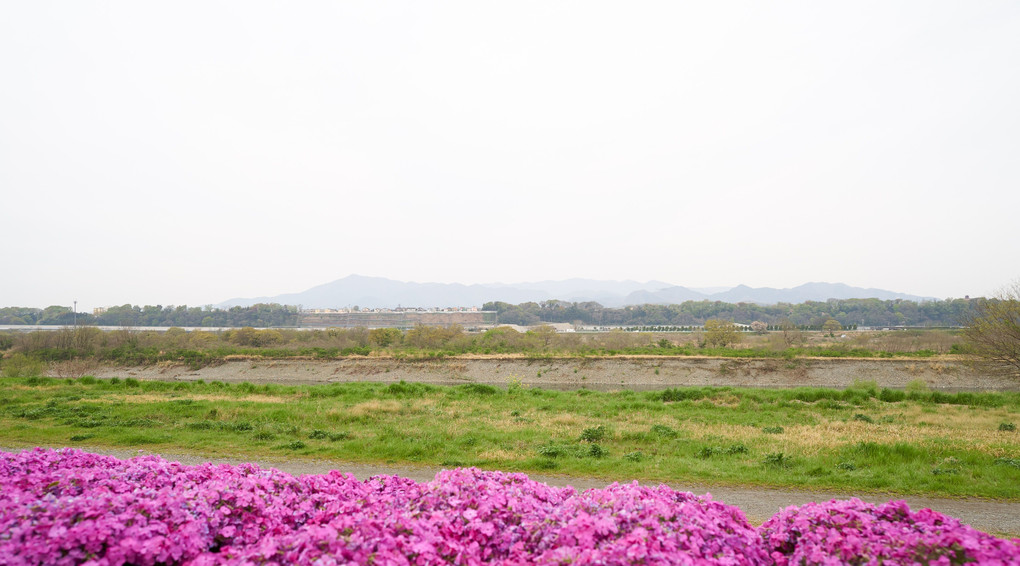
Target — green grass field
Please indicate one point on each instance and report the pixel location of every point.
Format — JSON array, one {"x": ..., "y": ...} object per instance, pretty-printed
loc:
[{"x": 862, "y": 438}]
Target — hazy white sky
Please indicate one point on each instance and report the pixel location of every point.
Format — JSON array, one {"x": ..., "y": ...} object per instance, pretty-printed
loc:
[{"x": 189, "y": 152}]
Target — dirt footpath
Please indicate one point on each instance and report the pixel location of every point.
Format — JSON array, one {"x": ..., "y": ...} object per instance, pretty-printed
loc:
[{"x": 606, "y": 373}]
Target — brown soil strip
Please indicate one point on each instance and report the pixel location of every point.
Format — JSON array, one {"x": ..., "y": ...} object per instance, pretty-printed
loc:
[{"x": 606, "y": 373}]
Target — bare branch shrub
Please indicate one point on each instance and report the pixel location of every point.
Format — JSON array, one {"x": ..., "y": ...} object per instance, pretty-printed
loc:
[
  {"x": 993, "y": 332},
  {"x": 74, "y": 369},
  {"x": 790, "y": 333}
]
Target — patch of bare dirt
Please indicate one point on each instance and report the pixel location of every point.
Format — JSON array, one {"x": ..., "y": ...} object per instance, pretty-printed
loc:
[{"x": 608, "y": 373}]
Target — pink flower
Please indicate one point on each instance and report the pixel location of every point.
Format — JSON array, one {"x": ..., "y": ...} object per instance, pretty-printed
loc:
[{"x": 69, "y": 507}]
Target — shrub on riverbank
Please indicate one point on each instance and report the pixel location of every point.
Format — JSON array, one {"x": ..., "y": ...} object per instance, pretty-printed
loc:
[{"x": 201, "y": 348}]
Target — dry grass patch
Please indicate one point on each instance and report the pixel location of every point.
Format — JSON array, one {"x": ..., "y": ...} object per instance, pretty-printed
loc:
[
  {"x": 812, "y": 439},
  {"x": 567, "y": 419},
  {"x": 831, "y": 434},
  {"x": 741, "y": 433},
  {"x": 161, "y": 398},
  {"x": 640, "y": 423},
  {"x": 247, "y": 398},
  {"x": 727, "y": 400},
  {"x": 375, "y": 407},
  {"x": 940, "y": 367},
  {"x": 500, "y": 455},
  {"x": 506, "y": 422},
  {"x": 458, "y": 428},
  {"x": 230, "y": 414},
  {"x": 957, "y": 420},
  {"x": 23, "y": 387}
]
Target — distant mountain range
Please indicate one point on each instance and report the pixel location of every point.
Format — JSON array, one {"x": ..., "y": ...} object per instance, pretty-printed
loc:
[{"x": 379, "y": 292}]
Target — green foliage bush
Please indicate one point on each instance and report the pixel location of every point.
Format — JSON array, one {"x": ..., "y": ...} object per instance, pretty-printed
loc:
[
  {"x": 551, "y": 450},
  {"x": 1013, "y": 462},
  {"x": 404, "y": 389},
  {"x": 892, "y": 395},
  {"x": 664, "y": 431},
  {"x": 777, "y": 460},
  {"x": 709, "y": 451},
  {"x": 593, "y": 434},
  {"x": 327, "y": 435},
  {"x": 20, "y": 365},
  {"x": 636, "y": 456},
  {"x": 736, "y": 449},
  {"x": 594, "y": 451},
  {"x": 479, "y": 389},
  {"x": 680, "y": 394}
]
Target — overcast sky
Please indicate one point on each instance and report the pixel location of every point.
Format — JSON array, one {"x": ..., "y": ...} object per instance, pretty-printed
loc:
[{"x": 189, "y": 152}]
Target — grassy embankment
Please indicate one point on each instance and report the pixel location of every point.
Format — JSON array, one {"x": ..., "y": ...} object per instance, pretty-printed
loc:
[{"x": 863, "y": 438}]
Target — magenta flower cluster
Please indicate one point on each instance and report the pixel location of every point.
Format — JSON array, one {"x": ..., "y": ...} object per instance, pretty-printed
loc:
[
  {"x": 856, "y": 532},
  {"x": 70, "y": 507}
]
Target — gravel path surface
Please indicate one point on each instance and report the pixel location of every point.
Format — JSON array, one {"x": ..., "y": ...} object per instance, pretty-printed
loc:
[
  {"x": 1001, "y": 518},
  {"x": 607, "y": 373}
]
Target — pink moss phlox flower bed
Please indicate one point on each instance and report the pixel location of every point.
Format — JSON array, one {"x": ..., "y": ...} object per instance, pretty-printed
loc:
[
  {"x": 70, "y": 507},
  {"x": 856, "y": 532}
]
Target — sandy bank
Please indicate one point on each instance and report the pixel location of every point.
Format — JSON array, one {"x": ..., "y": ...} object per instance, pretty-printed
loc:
[{"x": 608, "y": 373}]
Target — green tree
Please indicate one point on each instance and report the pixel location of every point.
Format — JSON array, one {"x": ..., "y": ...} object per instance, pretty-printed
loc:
[
  {"x": 720, "y": 332},
  {"x": 267, "y": 337},
  {"x": 501, "y": 339},
  {"x": 831, "y": 326},
  {"x": 384, "y": 337},
  {"x": 432, "y": 337},
  {"x": 243, "y": 336}
]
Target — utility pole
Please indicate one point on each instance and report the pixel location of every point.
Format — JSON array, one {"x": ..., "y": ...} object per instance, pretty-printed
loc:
[{"x": 75, "y": 313}]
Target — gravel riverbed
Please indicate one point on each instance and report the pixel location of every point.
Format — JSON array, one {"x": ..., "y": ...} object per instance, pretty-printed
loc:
[{"x": 603, "y": 373}]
